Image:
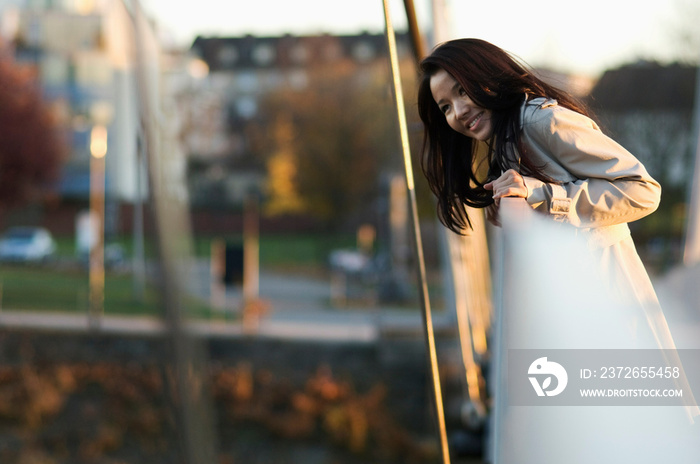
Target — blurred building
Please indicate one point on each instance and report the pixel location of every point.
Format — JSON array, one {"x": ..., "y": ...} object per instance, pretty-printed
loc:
[
  {"x": 648, "y": 108},
  {"x": 229, "y": 79},
  {"x": 81, "y": 54}
]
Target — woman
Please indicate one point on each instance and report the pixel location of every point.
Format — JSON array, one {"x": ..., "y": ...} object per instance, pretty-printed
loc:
[
  {"x": 539, "y": 143},
  {"x": 493, "y": 129}
]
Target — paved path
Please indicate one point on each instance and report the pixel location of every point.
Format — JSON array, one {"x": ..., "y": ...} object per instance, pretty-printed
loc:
[{"x": 298, "y": 307}]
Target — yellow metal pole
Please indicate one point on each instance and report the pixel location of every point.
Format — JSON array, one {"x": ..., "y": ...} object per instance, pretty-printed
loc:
[
  {"x": 416, "y": 41},
  {"x": 420, "y": 261}
]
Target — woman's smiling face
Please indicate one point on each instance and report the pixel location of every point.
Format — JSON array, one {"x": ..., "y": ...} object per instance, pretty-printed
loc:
[{"x": 461, "y": 113}]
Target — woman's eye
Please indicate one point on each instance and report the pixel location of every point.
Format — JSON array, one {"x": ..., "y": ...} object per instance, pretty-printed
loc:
[
  {"x": 462, "y": 92},
  {"x": 444, "y": 109}
]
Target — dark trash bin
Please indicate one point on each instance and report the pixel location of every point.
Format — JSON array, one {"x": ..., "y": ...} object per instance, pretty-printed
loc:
[{"x": 233, "y": 268}]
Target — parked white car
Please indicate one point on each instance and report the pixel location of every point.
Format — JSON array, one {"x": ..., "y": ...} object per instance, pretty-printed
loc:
[{"x": 27, "y": 244}]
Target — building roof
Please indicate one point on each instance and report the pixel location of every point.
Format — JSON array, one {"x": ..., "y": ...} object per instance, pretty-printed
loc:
[{"x": 251, "y": 52}]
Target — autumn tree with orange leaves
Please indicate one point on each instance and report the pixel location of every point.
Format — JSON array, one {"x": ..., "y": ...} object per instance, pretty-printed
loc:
[
  {"x": 30, "y": 147},
  {"x": 328, "y": 144}
]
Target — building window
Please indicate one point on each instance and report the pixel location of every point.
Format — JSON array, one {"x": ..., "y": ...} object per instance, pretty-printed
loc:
[
  {"x": 264, "y": 54},
  {"x": 246, "y": 82},
  {"x": 298, "y": 79},
  {"x": 228, "y": 55},
  {"x": 299, "y": 54},
  {"x": 246, "y": 107},
  {"x": 363, "y": 52},
  {"x": 332, "y": 52}
]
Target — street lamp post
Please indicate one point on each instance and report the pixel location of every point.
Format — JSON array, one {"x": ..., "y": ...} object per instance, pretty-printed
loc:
[{"x": 98, "y": 151}]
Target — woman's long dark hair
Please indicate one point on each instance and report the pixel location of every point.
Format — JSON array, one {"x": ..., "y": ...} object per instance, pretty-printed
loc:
[{"x": 494, "y": 80}]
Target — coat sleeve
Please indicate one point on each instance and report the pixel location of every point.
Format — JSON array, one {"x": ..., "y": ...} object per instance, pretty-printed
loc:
[{"x": 601, "y": 184}]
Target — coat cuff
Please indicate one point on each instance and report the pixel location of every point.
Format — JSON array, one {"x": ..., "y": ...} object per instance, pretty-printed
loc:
[
  {"x": 548, "y": 198},
  {"x": 536, "y": 191}
]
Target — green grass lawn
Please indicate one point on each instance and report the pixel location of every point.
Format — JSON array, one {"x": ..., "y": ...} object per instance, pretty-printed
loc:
[
  {"x": 46, "y": 288},
  {"x": 285, "y": 250},
  {"x": 49, "y": 289},
  {"x": 275, "y": 250},
  {"x": 64, "y": 287}
]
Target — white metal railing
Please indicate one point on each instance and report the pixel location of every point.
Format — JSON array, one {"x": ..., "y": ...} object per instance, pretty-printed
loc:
[{"x": 550, "y": 293}]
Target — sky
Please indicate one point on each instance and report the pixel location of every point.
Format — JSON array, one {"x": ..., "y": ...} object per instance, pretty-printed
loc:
[{"x": 567, "y": 35}]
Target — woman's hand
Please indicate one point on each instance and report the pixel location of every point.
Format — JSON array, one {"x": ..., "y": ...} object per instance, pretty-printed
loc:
[{"x": 509, "y": 184}]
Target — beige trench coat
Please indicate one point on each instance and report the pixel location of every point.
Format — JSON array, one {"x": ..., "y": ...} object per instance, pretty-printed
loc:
[{"x": 602, "y": 188}]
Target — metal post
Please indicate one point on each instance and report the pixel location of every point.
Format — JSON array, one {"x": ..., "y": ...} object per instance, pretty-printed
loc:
[
  {"x": 420, "y": 261},
  {"x": 194, "y": 422},
  {"x": 691, "y": 247},
  {"x": 251, "y": 249},
  {"x": 139, "y": 259},
  {"x": 96, "y": 275},
  {"x": 416, "y": 41},
  {"x": 252, "y": 310}
]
